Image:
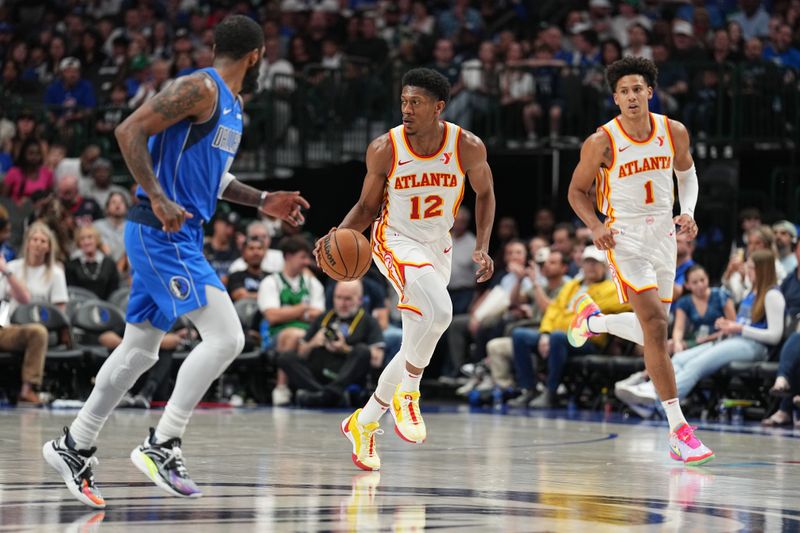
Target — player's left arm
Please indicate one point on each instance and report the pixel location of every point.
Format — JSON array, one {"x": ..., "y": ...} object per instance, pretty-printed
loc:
[
  {"x": 285, "y": 205},
  {"x": 688, "y": 187},
  {"x": 472, "y": 154}
]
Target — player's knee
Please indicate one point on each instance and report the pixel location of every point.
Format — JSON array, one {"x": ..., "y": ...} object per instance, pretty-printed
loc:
[
  {"x": 655, "y": 326},
  {"x": 231, "y": 342},
  {"x": 134, "y": 363},
  {"x": 429, "y": 293}
]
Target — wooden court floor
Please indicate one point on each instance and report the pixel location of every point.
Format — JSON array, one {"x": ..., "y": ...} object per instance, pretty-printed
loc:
[{"x": 290, "y": 470}]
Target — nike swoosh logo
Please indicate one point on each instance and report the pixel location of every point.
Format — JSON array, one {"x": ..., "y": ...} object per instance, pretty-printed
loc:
[
  {"x": 621, "y": 149},
  {"x": 401, "y": 163},
  {"x": 226, "y": 111},
  {"x": 448, "y": 249}
]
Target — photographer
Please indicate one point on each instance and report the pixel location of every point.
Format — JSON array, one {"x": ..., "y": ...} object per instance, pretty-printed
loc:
[{"x": 337, "y": 351}]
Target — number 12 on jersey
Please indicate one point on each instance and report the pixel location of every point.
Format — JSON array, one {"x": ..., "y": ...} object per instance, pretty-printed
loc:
[{"x": 433, "y": 206}]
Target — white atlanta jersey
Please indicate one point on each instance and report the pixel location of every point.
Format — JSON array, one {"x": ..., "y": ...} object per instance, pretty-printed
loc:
[
  {"x": 423, "y": 192},
  {"x": 639, "y": 181}
]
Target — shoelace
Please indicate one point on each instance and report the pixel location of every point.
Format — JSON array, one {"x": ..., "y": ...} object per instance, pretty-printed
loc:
[
  {"x": 87, "y": 465},
  {"x": 408, "y": 405},
  {"x": 370, "y": 437},
  {"x": 686, "y": 434},
  {"x": 175, "y": 456}
]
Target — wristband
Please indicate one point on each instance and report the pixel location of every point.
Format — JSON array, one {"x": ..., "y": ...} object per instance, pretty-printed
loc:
[{"x": 263, "y": 198}]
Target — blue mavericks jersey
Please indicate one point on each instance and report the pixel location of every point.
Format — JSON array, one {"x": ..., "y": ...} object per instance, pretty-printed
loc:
[{"x": 189, "y": 158}]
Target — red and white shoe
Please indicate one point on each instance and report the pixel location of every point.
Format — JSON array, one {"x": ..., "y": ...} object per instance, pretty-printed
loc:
[{"x": 408, "y": 423}]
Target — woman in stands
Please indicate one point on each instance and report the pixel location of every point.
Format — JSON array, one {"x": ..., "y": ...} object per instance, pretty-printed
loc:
[
  {"x": 696, "y": 313},
  {"x": 37, "y": 269},
  {"x": 89, "y": 267},
  {"x": 758, "y": 326}
]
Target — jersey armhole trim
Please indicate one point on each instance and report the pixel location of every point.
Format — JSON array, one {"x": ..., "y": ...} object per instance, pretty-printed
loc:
[
  {"x": 394, "y": 156},
  {"x": 458, "y": 152},
  {"x": 669, "y": 135},
  {"x": 613, "y": 147}
]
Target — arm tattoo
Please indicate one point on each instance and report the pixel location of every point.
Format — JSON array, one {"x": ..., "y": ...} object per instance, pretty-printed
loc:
[
  {"x": 139, "y": 162},
  {"x": 239, "y": 193},
  {"x": 179, "y": 98}
]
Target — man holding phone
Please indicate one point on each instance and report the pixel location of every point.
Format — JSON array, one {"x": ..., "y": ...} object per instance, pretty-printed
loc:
[{"x": 337, "y": 350}]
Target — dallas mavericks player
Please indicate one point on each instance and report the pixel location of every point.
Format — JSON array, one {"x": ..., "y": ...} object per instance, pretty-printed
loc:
[{"x": 179, "y": 147}]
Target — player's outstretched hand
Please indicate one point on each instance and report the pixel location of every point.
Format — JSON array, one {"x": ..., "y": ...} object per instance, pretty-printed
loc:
[
  {"x": 318, "y": 246},
  {"x": 687, "y": 224},
  {"x": 603, "y": 238},
  {"x": 170, "y": 214},
  {"x": 286, "y": 205},
  {"x": 485, "y": 265}
]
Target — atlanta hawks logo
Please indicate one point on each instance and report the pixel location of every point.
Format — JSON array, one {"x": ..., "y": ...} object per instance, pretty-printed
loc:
[
  {"x": 446, "y": 157},
  {"x": 660, "y": 140}
]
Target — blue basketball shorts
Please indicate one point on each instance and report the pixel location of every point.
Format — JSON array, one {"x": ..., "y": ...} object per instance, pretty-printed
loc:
[{"x": 170, "y": 273}]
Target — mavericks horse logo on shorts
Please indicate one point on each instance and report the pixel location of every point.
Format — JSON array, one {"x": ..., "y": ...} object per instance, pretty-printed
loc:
[{"x": 179, "y": 286}]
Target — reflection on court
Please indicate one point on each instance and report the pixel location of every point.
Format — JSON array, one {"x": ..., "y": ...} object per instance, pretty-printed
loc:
[{"x": 290, "y": 470}]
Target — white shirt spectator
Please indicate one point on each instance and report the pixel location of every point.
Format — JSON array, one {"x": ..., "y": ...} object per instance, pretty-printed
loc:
[
  {"x": 43, "y": 288},
  {"x": 270, "y": 289},
  {"x": 620, "y": 25},
  {"x": 272, "y": 262},
  {"x": 756, "y": 26},
  {"x": 71, "y": 166},
  {"x": 267, "y": 72}
]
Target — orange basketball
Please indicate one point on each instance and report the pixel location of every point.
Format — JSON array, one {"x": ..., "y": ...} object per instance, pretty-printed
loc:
[{"x": 345, "y": 255}]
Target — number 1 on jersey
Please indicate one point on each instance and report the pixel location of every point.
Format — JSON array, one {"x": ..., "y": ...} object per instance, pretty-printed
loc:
[
  {"x": 433, "y": 209},
  {"x": 648, "y": 189}
]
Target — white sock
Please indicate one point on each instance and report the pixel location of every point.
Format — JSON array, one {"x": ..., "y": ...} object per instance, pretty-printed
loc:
[
  {"x": 84, "y": 430},
  {"x": 173, "y": 423},
  {"x": 137, "y": 352},
  {"x": 372, "y": 412},
  {"x": 410, "y": 381},
  {"x": 674, "y": 414},
  {"x": 624, "y": 325}
]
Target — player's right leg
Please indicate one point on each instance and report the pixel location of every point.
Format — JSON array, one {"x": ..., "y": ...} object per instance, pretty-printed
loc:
[
  {"x": 427, "y": 315},
  {"x": 427, "y": 312},
  {"x": 160, "y": 457},
  {"x": 72, "y": 455}
]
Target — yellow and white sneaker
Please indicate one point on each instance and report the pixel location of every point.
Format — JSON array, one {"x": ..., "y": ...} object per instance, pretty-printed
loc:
[
  {"x": 362, "y": 437},
  {"x": 408, "y": 423}
]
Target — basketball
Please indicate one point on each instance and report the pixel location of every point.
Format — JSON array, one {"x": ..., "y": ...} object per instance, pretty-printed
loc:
[{"x": 345, "y": 255}]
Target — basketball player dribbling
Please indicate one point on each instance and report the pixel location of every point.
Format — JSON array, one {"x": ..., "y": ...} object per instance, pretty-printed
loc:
[
  {"x": 631, "y": 160},
  {"x": 414, "y": 185},
  {"x": 179, "y": 147}
]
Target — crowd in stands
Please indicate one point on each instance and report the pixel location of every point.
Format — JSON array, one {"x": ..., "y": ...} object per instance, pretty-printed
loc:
[
  {"x": 72, "y": 71},
  {"x": 79, "y": 68}
]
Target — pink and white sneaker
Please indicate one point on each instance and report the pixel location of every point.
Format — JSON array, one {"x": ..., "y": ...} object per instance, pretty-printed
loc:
[
  {"x": 578, "y": 332},
  {"x": 684, "y": 446}
]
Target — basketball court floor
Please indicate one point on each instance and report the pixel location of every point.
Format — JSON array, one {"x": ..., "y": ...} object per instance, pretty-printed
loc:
[{"x": 290, "y": 470}]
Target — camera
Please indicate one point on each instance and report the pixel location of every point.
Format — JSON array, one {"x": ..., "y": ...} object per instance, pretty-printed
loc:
[{"x": 331, "y": 332}]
